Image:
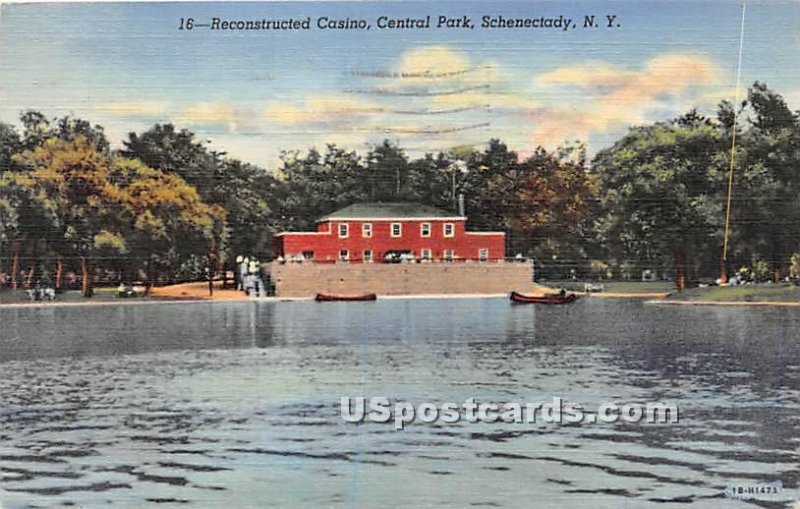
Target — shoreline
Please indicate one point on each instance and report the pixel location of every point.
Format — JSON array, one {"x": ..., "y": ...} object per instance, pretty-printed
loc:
[
  {"x": 144, "y": 302},
  {"x": 245, "y": 298},
  {"x": 106, "y": 303},
  {"x": 656, "y": 298}
]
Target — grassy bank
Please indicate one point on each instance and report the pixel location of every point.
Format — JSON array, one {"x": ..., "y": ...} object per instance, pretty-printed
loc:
[
  {"x": 639, "y": 287},
  {"x": 764, "y": 292},
  {"x": 8, "y": 296}
]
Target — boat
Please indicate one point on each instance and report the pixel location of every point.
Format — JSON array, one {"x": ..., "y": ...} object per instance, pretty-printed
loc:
[
  {"x": 543, "y": 299},
  {"x": 326, "y": 297}
]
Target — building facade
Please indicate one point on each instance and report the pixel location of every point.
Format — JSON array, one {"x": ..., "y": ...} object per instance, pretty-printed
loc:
[{"x": 390, "y": 232}]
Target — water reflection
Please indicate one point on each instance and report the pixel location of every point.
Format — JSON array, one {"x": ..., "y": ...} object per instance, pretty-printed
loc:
[{"x": 235, "y": 404}]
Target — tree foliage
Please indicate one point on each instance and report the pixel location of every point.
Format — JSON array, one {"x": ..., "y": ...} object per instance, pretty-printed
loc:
[{"x": 167, "y": 204}]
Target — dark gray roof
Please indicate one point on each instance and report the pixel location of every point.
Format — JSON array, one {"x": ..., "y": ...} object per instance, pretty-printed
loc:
[{"x": 389, "y": 210}]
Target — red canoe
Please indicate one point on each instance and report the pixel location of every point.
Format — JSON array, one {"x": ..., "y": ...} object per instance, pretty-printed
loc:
[
  {"x": 543, "y": 299},
  {"x": 324, "y": 297}
]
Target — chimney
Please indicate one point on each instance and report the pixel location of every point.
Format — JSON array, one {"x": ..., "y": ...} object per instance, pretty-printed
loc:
[{"x": 461, "y": 208}]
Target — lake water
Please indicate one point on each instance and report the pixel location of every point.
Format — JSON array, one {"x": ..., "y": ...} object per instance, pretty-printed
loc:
[{"x": 237, "y": 404}]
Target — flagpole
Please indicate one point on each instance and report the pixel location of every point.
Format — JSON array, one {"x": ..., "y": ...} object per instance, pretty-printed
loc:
[{"x": 724, "y": 275}]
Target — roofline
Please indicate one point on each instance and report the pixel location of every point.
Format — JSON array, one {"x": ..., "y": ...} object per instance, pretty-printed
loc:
[
  {"x": 300, "y": 233},
  {"x": 399, "y": 218}
]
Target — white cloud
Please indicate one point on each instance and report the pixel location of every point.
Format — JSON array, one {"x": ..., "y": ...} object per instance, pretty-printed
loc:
[
  {"x": 213, "y": 113},
  {"x": 323, "y": 107},
  {"x": 132, "y": 108},
  {"x": 437, "y": 97},
  {"x": 792, "y": 98},
  {"x": 433, "y": 61},
  {"x": 612, "y": 96}
]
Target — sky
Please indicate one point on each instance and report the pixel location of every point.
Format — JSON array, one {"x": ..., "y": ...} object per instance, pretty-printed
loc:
[{"x": 254, "y": 94}]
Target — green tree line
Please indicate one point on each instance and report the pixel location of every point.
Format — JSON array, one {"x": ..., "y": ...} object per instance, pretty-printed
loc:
[
  {"x": 664, "y": 191},
  {"x": 167, "y": 207}
]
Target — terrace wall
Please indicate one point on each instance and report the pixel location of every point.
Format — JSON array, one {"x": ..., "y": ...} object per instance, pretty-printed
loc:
[{"x": 308, "y": 279}]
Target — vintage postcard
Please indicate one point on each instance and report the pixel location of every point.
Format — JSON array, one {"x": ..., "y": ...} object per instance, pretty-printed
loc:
[{"x": 385, "y": 254}]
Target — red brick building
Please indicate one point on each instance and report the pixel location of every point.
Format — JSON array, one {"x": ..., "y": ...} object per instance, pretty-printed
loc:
[{"x": 390, "y": 232}]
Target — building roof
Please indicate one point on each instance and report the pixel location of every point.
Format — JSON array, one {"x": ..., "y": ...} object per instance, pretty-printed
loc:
[{"x": 389, "y": 210}]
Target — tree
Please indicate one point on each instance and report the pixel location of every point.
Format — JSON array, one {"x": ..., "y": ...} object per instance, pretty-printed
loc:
[
  {"x": 37, "y": 129},
  {"x": 39, "y": 234},
  {"x": 556, "y": 201},
  {"x": 663, "y": 188},
  {"x": 67, "y": 180},
  {"x": 493, "y": 176},
  {"x": 10, "y": 144},
  {"x": 769, "y": 111},
  {"x": 436, "y": 180},
  {"x": 765, "y": 211},
  {"x": 9, "y": 216},
  {"x": 162, "y": 219},
  {"x": 242, "y": 191},
  {"x": 387, "y": 170},
  {"x": 99, "y": 203},
  {"x": 164, "y": 148},
  {"x": 239, "y": 188},
  {"x": 23, "y": 225},
  {"x": 308, "y": 187}
]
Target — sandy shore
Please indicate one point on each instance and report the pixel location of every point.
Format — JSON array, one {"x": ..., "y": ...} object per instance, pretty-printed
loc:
[{"x": 196, "y": 291}]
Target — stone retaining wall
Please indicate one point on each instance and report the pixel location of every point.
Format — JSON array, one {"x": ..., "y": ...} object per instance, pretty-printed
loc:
[{"x": 308, "y": 279}]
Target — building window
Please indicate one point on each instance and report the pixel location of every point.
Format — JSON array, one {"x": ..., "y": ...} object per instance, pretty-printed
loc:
[
  {"x": 397, "y": 229},
  {"x": 344, "y": 230},
  {"x": 448, "y": 255},
  {"x": 449, "y": 230},
  {"x": 308, "y": 255},
  {"x": 425, "y": 230},
  {"x": 366, "y": 230},
  {"x": 344, "y": 255},
  {"x": 483, "y": 254},
  {"x": 368, "y": 256},
  {"x": 426, "y": 254}
]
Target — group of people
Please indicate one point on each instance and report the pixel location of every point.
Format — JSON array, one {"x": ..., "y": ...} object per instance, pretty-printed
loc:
[
  {"x": 249, "y": 278},
  {"x": 41, "y": 292}
]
